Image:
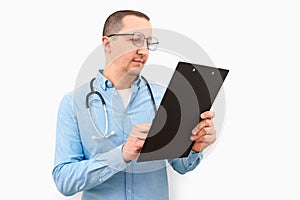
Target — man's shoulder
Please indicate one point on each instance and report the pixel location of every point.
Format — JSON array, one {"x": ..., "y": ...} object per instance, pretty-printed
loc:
[
  {"x": 158, "y": 91},
  {"x": 70, "y": 96},
  {"x": 157, "y": 87}
]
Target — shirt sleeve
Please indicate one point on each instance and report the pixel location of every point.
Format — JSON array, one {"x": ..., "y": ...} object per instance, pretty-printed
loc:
[
  {"x": 184, "y": 165},
  {"x": 72, "y": 173}
]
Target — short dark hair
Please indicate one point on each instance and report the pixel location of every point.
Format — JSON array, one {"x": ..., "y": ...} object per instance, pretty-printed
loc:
[{"x": 113, "y": 23}]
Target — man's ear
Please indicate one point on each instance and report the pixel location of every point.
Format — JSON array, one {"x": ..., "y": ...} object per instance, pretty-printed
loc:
[{"x": 106, "y": 44}]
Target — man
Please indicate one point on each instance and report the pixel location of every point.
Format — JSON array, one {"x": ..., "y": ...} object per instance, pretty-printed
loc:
[{"x": 101, "y": 163}]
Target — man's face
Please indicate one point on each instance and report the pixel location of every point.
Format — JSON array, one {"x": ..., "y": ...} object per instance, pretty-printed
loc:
[{"x": 127, "y": 57}]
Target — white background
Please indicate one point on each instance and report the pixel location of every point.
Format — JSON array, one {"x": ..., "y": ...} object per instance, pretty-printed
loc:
[{"x": 44, "y": 43}]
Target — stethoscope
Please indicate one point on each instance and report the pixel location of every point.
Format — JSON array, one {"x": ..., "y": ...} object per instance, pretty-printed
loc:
[{"x": 106, "y": 135}]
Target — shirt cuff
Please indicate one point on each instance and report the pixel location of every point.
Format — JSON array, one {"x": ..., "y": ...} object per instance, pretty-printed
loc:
[
  {"x": 113, "y": 158},
  {"x": 194, "y": 155}
]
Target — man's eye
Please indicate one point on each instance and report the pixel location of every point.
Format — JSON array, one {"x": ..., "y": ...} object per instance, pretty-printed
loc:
[{"x": 137, "y": 40}]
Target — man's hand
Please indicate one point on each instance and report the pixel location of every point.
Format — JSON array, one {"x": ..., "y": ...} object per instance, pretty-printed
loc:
[
  {"x": 204, "y": 134},
  {"x": 135, "y": 141}
]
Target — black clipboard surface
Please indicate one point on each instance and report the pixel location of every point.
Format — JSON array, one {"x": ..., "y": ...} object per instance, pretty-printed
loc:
[{"x": 191, "y": 91}]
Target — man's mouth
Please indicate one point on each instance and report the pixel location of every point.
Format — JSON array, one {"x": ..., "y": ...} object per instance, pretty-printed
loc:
[{"x": 138, "y": 60}]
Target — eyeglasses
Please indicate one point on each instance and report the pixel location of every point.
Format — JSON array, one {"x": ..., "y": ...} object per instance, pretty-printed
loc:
[{"x": 138, "y": 40}]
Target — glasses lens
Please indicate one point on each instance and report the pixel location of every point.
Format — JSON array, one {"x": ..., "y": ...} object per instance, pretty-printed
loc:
[
  {"x": 152, "y": 43},
  {"x": 138, "y": 39}
]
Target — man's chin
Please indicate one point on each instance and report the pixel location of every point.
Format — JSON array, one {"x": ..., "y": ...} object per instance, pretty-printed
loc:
[{"x": 135, "y": 71}]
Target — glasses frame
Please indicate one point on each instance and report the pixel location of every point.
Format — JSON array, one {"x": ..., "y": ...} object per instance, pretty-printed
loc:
[{"x": 132, "y": 34}]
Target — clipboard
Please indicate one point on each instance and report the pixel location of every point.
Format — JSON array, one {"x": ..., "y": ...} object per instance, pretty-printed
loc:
[{"x": 191, "y": 91}]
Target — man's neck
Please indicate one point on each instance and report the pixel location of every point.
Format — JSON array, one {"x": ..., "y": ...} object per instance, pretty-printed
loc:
[{"x": 120, "y": 79}]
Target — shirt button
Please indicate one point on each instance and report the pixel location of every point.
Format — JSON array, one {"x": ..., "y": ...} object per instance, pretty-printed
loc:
[
  {"x": 100, "y": 180},
  {"x": 129, "y": 190}
]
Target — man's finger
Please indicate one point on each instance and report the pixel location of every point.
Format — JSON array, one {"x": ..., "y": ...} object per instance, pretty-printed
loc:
[
  {"x": 201, "y": 125},
  {"x": 139, "y": 135},
  {"x": 207, "y": 115},
  {"x": 144, "y": 128},
  {"x": 207, "y": 138},
  {"x": 203, "y": 132}
]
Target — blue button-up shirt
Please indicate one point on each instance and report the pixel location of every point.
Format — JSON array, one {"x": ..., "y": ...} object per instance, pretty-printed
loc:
[{"x": 84, "y": 161}]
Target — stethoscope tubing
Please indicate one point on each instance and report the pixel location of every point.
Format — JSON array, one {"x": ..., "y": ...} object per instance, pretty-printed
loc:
[{"x": 92, "y": 92}]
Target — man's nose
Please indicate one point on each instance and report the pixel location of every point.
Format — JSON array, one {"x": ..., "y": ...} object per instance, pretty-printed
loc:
[{"x": 143, "y": 50}]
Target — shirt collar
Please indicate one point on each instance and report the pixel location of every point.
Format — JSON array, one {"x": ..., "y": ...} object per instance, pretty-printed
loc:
[{"x": 105, "y": 84}]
